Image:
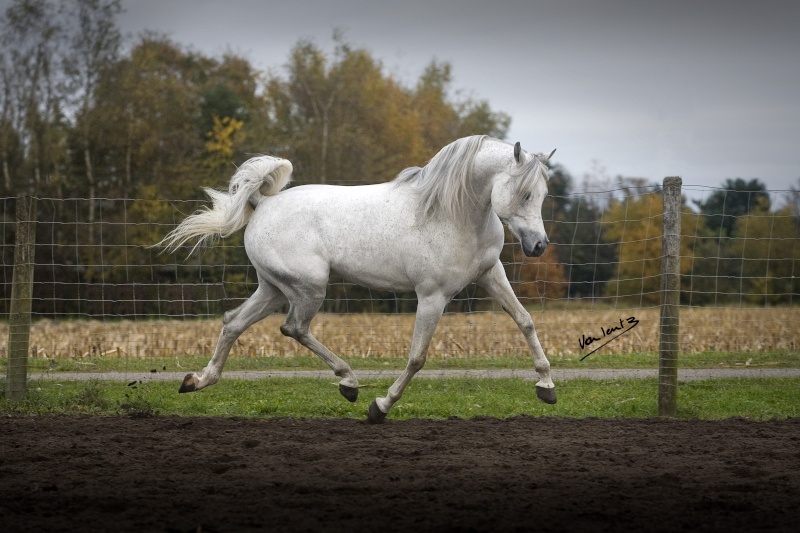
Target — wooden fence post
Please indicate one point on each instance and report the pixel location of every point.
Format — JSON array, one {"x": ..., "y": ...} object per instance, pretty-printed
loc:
[
  {"x": 19, "y": 316},
  {"x": 668, "y": 343}
]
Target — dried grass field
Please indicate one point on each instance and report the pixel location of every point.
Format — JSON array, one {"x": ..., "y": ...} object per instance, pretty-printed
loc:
[{"x": 485, "y": 334}]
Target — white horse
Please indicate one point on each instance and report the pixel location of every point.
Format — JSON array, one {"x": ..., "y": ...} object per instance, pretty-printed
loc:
[{"x": 433, "y": 230}]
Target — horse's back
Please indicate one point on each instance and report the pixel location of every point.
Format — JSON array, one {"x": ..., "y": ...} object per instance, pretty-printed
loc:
[
  {"x": 338, "y": 212},
  {"x": 322, "y": 228}
]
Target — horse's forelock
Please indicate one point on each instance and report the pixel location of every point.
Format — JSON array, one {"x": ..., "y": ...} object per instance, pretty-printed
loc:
[{"x": 527, "y": 176}]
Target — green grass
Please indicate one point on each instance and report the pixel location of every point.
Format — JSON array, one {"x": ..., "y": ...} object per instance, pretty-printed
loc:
[
  {"x": 310, "y": 362},
  {"x": 425, "y": 398}
]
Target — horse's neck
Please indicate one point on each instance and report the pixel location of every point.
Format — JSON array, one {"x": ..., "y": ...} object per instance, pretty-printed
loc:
[{"x": 489, "y": 161}]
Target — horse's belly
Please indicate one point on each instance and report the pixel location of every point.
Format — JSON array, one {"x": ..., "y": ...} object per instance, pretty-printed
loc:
[{"x": 374, "y": 274}]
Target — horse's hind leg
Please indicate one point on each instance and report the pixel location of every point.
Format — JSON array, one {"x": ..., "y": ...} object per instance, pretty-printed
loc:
[
  {"x": 266, "y": 300},
  {"x": 301, "y": 310}
]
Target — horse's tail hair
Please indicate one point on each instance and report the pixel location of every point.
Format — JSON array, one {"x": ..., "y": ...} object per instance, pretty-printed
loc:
[{"x": 231, "y": 211}]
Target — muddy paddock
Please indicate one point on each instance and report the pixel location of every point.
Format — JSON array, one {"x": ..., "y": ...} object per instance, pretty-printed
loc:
[{"x": 520, "y": 474}]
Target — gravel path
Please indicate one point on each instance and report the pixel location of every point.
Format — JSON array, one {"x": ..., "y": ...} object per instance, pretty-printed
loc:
[{"x": 558, "y": 375}]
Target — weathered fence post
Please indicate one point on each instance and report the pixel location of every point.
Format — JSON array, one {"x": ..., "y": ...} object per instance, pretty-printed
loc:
[
  {"x": 668, "y": 344},
  {"x": 19, "y": 316}
]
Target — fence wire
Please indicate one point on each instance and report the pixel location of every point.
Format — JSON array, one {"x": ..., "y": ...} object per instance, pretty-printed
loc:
[{"x": 102, "y": 291}]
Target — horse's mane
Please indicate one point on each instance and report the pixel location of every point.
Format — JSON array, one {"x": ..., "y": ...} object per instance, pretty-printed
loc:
[{"x": 444, "y": 185}]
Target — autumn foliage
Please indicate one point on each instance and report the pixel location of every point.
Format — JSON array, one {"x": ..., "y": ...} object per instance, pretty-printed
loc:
[{"x": 121, "y": 139}]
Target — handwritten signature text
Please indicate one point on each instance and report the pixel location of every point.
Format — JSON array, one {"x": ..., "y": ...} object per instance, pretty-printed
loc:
[{"x": 625, "y": 325}]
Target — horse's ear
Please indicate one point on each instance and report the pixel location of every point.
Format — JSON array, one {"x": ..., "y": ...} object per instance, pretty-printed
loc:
[
  {"x": 517, "y": 149},
  {"x": 551, "y": 154}
]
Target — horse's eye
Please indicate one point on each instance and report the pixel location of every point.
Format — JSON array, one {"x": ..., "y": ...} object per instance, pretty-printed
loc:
[{"x": 527, "y": 197}]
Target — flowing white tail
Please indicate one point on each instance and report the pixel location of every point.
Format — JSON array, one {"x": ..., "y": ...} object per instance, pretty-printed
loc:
[{"x": 230, "y": 211}]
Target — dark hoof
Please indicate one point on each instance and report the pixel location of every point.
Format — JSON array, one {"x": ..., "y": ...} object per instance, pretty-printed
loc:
[
  {"x": 189, "y": 384},
  {"x": 350, "y": 393},
  {"x": 375, "y": 415},
  {"x": 546, "y": 395}
]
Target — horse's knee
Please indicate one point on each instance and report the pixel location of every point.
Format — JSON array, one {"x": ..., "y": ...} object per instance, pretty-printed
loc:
[
  {"x": 231, "y": 327},
  {"x": 230, "y": 331},
  {"x": 229, "y": 316}
]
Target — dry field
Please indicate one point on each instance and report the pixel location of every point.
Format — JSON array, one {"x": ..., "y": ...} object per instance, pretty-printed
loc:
[{"x": 485, "y": 334}]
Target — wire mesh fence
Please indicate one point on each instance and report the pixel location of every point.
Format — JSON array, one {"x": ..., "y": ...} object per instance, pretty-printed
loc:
[{"x": 102, "y": 292}]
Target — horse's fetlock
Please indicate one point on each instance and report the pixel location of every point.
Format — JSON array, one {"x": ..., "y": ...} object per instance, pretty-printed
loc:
[{"x": 341, "y": 370}]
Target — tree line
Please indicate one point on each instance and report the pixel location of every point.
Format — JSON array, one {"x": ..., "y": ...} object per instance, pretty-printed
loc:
[{"x": 115, "y": 133}]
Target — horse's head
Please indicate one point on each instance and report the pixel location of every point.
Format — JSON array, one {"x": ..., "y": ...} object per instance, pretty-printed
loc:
[{"x": 517, "y": 197}]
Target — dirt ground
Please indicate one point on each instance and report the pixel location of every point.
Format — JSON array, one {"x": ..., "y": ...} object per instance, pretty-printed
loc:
[{"x": 520, "y": 474}]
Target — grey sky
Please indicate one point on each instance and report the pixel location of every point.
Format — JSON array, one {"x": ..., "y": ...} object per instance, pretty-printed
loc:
[{"x": 707, "y": 90}]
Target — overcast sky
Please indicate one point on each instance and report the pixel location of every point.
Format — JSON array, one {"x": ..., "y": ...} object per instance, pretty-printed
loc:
[{"x": 706, "y": 90}]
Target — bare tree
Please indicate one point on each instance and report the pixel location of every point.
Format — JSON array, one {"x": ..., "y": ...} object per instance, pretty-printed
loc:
[
  {"x": 30, "y": 38},
  {"x": 94, "y": 43}
]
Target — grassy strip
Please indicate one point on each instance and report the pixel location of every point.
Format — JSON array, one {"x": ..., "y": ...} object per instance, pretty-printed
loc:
[
  {"x": 310, "y": 362},
  {"x": 425, "y": 398}
]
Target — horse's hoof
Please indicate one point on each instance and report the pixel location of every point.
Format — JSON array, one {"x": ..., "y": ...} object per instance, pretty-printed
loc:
[
  {"x": 350, "y": 393},
  {"x": 375, "y": 415},
  {"x": 189, "y": 384},
  {"x": 546, "y": 395}
]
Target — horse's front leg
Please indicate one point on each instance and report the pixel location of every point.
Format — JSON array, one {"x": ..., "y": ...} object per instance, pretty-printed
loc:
[
  {"x": 429, "y": 311},
  {"x": 262, "y": 303},
  {"x": 497, "y": 285}
]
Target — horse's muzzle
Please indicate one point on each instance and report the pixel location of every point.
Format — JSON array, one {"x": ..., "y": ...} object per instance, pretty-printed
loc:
[{"x": 534, "y": 246}]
